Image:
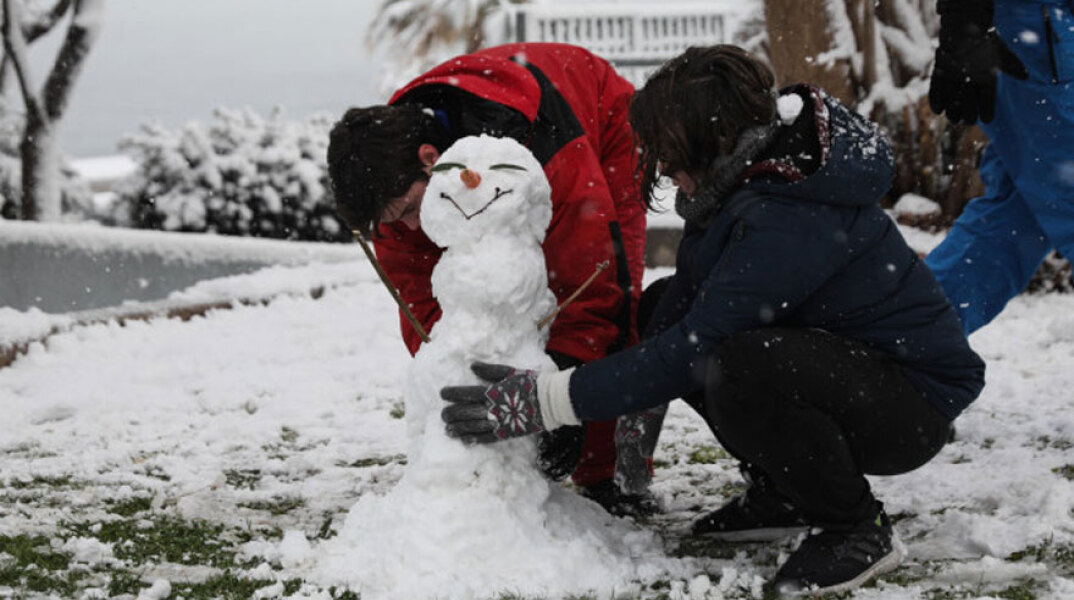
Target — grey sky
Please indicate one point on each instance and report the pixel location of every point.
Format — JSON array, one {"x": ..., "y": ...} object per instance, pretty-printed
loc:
[{"x": 175, "y": 60}]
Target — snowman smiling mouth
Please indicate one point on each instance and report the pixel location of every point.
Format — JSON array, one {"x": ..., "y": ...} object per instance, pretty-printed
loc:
[
  {"x": 471, "y": 179},
  {"x": 499, "y": 194}
]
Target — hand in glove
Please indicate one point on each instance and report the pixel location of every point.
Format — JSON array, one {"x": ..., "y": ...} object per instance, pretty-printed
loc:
[
  {"x": 509, "y": 407},
  {"x": 968, "y": 62}
]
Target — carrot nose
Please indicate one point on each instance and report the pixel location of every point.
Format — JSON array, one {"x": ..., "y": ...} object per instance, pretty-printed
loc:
[{"x": 470, "y": 178}]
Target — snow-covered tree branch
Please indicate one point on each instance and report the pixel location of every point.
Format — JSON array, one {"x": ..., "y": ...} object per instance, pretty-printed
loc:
[
  {"x": 44, "y": 108},
  {"x": 422, "y": 33},
  {"x": 876, "y": 56}
]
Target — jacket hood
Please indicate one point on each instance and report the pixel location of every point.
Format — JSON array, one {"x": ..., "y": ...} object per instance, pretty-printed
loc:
[
  {"x": 495, "y": 78},
  {"x": 856, "y": 165}
]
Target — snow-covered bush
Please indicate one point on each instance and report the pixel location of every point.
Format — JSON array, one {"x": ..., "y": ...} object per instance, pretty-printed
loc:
[{"x": 245, "y": 175}]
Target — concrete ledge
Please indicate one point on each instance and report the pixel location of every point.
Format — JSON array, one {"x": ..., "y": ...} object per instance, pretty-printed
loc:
[{"x": 59, "y": 268}]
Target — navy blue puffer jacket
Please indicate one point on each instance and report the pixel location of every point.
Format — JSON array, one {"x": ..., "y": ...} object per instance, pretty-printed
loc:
[{"x": 793, "y": 248}]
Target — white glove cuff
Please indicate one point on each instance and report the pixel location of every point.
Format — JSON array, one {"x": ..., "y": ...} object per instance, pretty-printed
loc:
[{"x": 554, "y": 398}]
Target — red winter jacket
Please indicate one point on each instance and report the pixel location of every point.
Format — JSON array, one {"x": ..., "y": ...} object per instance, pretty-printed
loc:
[{"x": 569, "y": 108}]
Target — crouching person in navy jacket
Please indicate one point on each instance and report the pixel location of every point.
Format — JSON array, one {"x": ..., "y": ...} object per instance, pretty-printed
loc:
[{"x": 798, "y": 323}]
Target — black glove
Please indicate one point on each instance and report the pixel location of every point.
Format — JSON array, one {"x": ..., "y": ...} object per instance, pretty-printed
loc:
[
  {"x": 968, "y": 61},
  {"x": 508, "y": 408},
  {"x": 559, "y": 450}
]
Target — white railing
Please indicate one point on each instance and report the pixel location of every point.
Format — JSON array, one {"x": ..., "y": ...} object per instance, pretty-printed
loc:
[{"x": 635, "y": 37}]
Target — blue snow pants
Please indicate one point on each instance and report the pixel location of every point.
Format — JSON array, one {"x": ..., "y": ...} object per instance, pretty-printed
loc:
[{"x": 996, "y": 245}]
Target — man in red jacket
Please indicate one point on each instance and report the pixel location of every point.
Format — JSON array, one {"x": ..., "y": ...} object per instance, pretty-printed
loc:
[{"x": 569, "y": 108}]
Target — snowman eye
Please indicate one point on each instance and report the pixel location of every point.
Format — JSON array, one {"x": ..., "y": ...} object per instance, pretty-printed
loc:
[
  {"x": 507, "y": 166},
  {"x": 447, "y": 166}
]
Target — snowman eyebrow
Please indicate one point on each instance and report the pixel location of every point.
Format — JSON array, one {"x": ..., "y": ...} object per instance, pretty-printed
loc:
[
  {"x": 446, "y": 166},
  {"x": 507, "y": 166}
]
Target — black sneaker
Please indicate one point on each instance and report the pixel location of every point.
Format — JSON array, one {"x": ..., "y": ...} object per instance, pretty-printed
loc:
[
  {"x": 760, "y": 514},
  {"x": 619, "y": 503},
  {"x": 835, "y": 561}
]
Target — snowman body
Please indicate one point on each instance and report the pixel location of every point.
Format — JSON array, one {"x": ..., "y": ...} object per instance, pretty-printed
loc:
[{"x": 488, "y": 204}]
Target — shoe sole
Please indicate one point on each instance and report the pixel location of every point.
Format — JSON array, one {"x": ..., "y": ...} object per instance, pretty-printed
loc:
[
  {"x": 769, "y": 534},
  {"x": 887, "y": 563}
]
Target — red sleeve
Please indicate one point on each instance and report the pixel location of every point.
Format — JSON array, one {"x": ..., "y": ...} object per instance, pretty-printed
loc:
[
  {"x": 408, "y": 258},
  {"x": 579, "y": 238}
]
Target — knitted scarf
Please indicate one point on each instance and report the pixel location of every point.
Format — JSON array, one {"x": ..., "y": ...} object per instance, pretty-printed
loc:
[{"x": 723, "y": 174}]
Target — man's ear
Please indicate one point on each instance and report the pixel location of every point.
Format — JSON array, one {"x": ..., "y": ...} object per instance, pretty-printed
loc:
[{"x": 428, "y": 155}]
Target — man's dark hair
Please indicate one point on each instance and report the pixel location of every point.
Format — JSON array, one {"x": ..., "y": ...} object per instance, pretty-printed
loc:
[
  {"x": 373, "y": 157},
  {"x": 695, "y": 107}
]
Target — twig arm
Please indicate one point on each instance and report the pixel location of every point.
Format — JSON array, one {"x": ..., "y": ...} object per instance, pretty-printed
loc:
[
  {"x": 548, "y": 319},
  {"x": 391, "y": 288}
]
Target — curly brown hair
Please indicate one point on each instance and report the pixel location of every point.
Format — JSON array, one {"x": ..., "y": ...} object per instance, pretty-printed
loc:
[
  {"x": 694, "y": 108},
  {"x": 373, "y": 157}
]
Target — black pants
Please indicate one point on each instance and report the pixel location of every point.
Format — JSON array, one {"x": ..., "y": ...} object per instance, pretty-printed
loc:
[{"x": 815, "y": 412}]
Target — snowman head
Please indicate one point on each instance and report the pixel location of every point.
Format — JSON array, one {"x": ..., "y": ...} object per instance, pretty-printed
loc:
[{"x": 485, "y": 186}]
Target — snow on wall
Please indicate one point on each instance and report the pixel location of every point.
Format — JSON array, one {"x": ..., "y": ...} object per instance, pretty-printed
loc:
[{"x": 59, "y": 268}]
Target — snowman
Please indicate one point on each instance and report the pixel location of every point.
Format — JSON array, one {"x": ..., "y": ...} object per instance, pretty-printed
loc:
[
  {"x": 471, "y": 521},
  {"x": 488, "y": 204}
]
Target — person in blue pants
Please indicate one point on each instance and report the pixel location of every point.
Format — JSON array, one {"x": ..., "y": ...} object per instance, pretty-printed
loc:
[{"x": 1009, "y": 66}]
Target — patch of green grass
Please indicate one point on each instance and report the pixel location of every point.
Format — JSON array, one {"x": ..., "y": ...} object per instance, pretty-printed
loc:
[
  {"x": 398, "y": 411},
  {"x": 707, "y": 455},
  {"x": 288, "y": 435},
  {"x": 732, "y": 489},
  {"x": 956, "y": 593},
  {"x": 164, "y": 538},
  {"x": 280, "y": 505},
  {"x": 1065, "y": 471},
  {"x": 1044, "y": 442},
  {"x": 243, "y": 479},
  {"x": 375, "y": 461},
  {"x": 225, "y": 586},
  {"x": 343, "y": 594},
  {"x": 1060, "y": 555},
  {"x": 325, "y": 531},
  {"x": 34, "y": 565},
  {"x": 33, "y": 550},
  {"x": 1022, "y": 589},
  {"x": 40, "y": 481},
  {"x": 291, "y": 586},
  {"x": 1063, "y": 555},
  {"x": 1025, "y": 589},
  {"x": 835, "y": 595},
  {"x": 130, "y": 506},
  {"x": 125, "y": 582},
  {"x": 156, "y": 472},
  {"x": 1036, "y": 552}
]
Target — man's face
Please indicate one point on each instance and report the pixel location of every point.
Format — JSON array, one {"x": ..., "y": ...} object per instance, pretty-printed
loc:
[{"x": 406, "y": 208}]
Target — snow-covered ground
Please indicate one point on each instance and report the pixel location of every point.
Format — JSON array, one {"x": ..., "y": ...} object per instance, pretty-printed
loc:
[{"x": 215, "y": 457}]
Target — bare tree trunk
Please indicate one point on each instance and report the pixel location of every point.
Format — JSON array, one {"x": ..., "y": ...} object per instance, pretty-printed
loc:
[
  {"x": 41, "y": 200},
  {"x": 40, "y": 172},
  {"x": 801, "y": 42}
]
